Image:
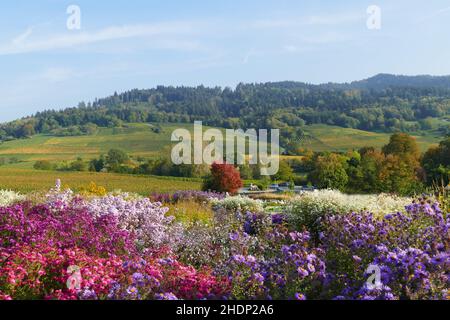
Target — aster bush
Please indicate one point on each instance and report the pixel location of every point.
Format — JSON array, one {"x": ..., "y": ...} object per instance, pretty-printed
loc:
[
  {"x": 8, "y": 197},
  {"x": 306, "y": 209},
  {"x": 65, "y": 227},
  {"x": 41, "y": 271},
  {"x": 239, "y": 203},
  {"x": 166, "y": 279},
  {"x": 411, "y": 249},
  {"x": 146, "y": 220}
]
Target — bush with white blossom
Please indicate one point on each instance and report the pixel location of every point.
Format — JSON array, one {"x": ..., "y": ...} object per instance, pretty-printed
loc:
[
  {"x": 239, "y": 203},
  {"x": 307, "y": 208},
  {"x": 8, "y": 197}
]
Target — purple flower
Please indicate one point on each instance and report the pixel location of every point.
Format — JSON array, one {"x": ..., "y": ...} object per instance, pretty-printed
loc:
[
  {"x": 302, "y": 272},
  {"x": 234, "y": 236},
  {"x": 132, "y": 291},
  {"x": 165, "y": 296},
  {"x": 300, "y": 296},
  {"x": 259, "y": 277},
  {"x": 137, "y": 277}
]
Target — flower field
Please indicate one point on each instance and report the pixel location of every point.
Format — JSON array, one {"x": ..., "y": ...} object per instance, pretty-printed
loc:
[{"x": 95, "y": 245}]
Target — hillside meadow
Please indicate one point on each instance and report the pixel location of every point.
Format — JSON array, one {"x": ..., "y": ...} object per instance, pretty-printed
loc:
[
  {"x": 141, "y": 140},
  {"x": 331, "y": 138}
]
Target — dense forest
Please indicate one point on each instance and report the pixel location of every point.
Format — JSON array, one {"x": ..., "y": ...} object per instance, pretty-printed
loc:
[{"x": 383, "y": 103}]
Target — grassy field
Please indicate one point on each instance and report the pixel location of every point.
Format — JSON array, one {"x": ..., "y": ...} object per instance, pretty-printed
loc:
[
  {"x": 136, "y": 139},
  {"x": 27, "y": 180},
  {"x": 331, "y": 138},
  {"x": 140, "y": 140}
]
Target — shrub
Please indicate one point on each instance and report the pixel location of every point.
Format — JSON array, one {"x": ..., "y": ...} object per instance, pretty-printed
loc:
[
  {"x": 224, "y": 178},
  {"x": 65, "y": 227},
  {"x": 93, "y": 190},
  {"x": 307, "y": 209},
  {"x": 44, "y": 165},
  {"x": 145, "y": 219},
  {"x": 239, "y": 203},
  {"x": 9, "y": 197},
  {"x": 190, "y": 195},
  {"x": 410, "y": 249}
]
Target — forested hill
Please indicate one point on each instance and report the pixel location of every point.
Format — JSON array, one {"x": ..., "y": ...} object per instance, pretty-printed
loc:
[
  {"x": 382, "y": 103},
  {"x": 386, "y": 81}
]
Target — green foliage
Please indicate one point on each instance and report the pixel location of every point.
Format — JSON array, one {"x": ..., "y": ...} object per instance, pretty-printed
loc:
[
  {"x": 402, "y": 144},
  {"x": 116, "y": 157},
  {"x": 330, "y": 172},
  {"x": 285, "y": 172},
  {"x": 78, "y": 165},
  {"x": 396, "y": 169},
  {"x": 263, "y": 184},
  {"x": 44, "y": 165},
  {"x": 436, "y": 162}
]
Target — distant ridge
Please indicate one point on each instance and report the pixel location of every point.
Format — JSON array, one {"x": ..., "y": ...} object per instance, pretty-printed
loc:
[
  {"x": 384, "y": 80},
  {"x": 380, "y": 81}
]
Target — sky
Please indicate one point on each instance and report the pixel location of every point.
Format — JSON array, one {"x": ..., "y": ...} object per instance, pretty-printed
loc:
[{"x": 121, "y": 45}]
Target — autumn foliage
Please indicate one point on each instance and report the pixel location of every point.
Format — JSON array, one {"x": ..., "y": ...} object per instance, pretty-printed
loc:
[{"x": 224, "y": 178}]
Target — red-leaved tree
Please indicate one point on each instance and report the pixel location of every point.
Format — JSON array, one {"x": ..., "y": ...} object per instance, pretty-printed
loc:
[{"x": 224, "y": 178}]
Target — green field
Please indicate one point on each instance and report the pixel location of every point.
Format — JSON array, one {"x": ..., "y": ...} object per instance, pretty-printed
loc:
[
  {"x": 330, "y": 138},
  {"x": 140, "y": 140}
]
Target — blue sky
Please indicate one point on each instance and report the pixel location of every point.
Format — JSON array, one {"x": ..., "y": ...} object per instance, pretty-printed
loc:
[{"x": 141, "y": 44}]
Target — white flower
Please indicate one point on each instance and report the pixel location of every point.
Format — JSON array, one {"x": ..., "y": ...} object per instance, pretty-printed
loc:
[
  {"x": 239, "y": 203},
  {"x": 8, "y": 198},
  {"x": 312, "y": 205}
]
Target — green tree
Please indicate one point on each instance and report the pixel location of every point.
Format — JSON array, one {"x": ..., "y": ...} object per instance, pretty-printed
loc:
[
  {"x": 43, "y": 165},
  {"x": 285, "y": 172},
  {"x": 436, "y": 163},
  {"x": 330, "y": 172},
  {"x": 402, "y": 144},
  {"x": 115, "y": 158},
  {"x": 78, "y": 165}
]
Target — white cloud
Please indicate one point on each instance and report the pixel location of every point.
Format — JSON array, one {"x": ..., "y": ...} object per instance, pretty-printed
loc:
[
  {"x": 22, "y": 43},
  {"x": 57, "y": 74},
  {"x": 313, "y": 20},
  {"x": 22, "y": 37},
  {"x": 434, "y": 14},
  {"x": 290, "y": 48}
]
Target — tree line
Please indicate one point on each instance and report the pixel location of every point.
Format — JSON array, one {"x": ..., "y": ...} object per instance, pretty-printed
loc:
[{"x": 399, "y": 167}]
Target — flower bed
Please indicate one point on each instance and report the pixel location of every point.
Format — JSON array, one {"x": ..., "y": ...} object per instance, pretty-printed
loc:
[{"x": 115, "y": 246}]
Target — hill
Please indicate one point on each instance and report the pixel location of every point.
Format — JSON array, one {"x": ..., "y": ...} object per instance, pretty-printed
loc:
[
  {"x": 384, "y": 81},
  {"x": 139, "y": 140},
  {"x": 384, "y": 103}
]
